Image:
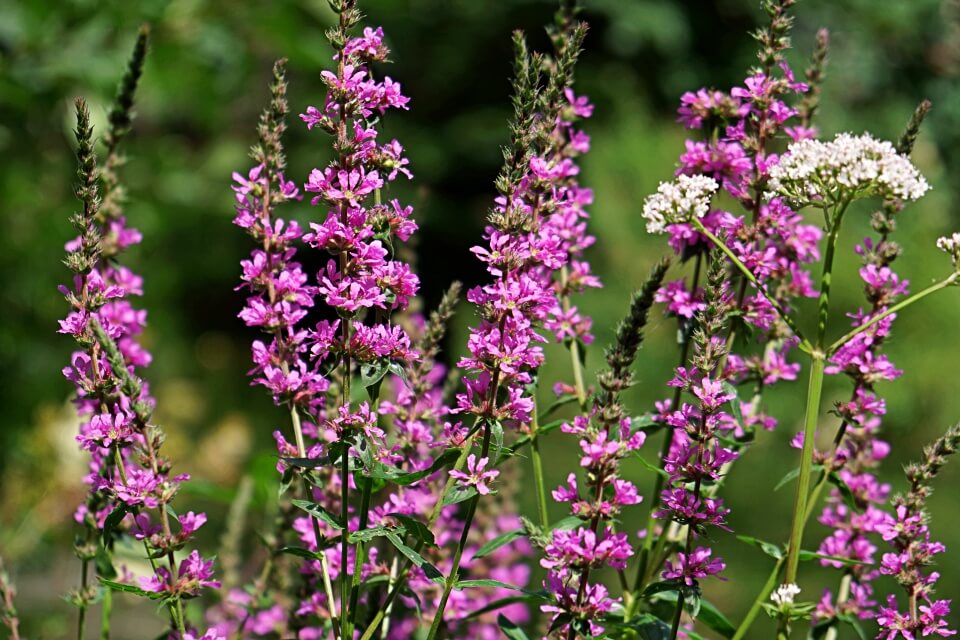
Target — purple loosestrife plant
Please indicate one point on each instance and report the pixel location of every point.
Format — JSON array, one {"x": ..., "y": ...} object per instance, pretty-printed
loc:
[
  {"x": 913, "y": 550},
  {"x": 738, "y": 128},
  {"x": 396, "y": 515},
  {"x": 131, "y": 485},
  {"x": 606, "y": 436}
]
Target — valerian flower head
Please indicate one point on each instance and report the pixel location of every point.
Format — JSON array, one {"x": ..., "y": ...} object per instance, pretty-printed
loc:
[
  {"x": 679, "y": 201},
  {"x": 785, "y": 594},
  {"x": 846, "y": 168},
  {"x": 951, "y": 246}
]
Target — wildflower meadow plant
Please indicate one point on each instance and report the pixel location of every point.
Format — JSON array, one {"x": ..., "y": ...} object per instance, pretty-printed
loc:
[{"x": 398, "y": 466}]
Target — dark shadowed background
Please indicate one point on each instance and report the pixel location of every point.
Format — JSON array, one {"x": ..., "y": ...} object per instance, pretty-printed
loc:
[{"x": 204, "y": 85}]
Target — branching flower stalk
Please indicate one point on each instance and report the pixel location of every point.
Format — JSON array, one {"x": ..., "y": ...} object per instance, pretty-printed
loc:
[
  {"x": 534, "y": 231},
  {"x": 738, "y": 127},
  {"x": 128, "y": 479},
  {"x": 606, "y": 437}
]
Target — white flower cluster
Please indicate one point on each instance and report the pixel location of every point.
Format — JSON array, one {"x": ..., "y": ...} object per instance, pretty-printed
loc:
[
  {"x": 678, "y": 201},
  {"x": 785, "y": 594},
  {"x": 846, "y": 167},
  {"x": 951, "y": 244}
]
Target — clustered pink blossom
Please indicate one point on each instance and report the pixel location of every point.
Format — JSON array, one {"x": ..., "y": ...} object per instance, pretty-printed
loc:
[
  {"x": 534, "y": 254},
  {"x": 364, "y": 285},
  {"x": 127, "y": 476}
]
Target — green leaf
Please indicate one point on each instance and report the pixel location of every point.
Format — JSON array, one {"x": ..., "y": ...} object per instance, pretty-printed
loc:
[
  {"x": 792, "y": 475},
  {"x": 661, "y": 587},
  {"x": 129, "y": 588},
  {"x": 366, "y": 535},
  {"x": 431, "y": 571},
  {"x": 309, "y": 463},
  {"x": 855, "y": 623},
  {"x": 113, "y": 521},
  {"x": 496, "y": 434},
  {"x": 772, "y": 550},
  {"x": 318, "y": 512},
  {"x": 510, "y": 629},
  {"x": 458, "y": 494},
  {"x": 650, "y": 466},
  {"x": 300, "y": 552},
  {"x": 805, "y": 555},
  {"x": 714, "y": 619},
  {"x": 566, "y": 524},
  {"x": 529, "y": 598},
  {"x": 394, "y": 475},
  {"x": 556, "y": 404},
  {"x": 488, "y": 582},
  {"x": 415, "y": 528},
  {"x": 499, "y": 541},
  {"x": 848, "y": 497},
  {"x": 735, "y": 404}
]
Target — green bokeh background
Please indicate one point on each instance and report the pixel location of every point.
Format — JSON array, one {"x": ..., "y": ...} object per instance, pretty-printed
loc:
[{"x": 204, "y": 84}]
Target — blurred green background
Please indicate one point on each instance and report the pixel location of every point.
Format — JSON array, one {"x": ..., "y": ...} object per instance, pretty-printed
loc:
[{"x": 204, "y": 85}]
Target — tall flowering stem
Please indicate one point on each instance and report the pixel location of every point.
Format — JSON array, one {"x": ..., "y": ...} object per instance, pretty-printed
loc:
[
  {"x": 768, "y": 243},
  {"x": 913, "y": 550},
  {"x": 697, "y": 457},
  {"x": 606, "y": 438},
  {"x": 526, "y": 246},
  {"x": 131, "y": 484},
  {"x": 857, "y": 450},
  {"x": 831, "y": 175}
]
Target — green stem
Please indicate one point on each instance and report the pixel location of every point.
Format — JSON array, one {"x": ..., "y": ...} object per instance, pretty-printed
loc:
[
  {"x": 758, "y": 603},
  {"x": 387, "y": 606},
  {"x": 82, "y": 617},
  {"x": 903, "y": 304},
  {"x": 538, "y": 471},
  {"x": 361, "y": 555},
  {"x": 346, "y": 628},
  {"x": 105, "y": 612},
  {"x": 647, "y": 551},
  {"x": 804, "y": 343},
  {"x": 814, "y": 392},
  {"x": 578, "y": 384},
  {"x": 464, "y": 535}
]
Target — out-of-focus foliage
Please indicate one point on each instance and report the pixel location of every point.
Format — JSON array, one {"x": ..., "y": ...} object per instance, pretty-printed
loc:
[{"x": 203, "y": 87}]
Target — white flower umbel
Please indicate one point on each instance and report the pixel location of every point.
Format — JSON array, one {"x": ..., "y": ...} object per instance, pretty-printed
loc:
[
  {"x": 951, "y": 245},
  {"x": 685, "y": 198},
  {"x": 845, "y": 168},
  {"x": 785, "y": 594}
]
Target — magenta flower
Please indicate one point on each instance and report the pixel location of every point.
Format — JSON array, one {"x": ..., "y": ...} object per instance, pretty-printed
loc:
[{"x": 476, "y": 475}]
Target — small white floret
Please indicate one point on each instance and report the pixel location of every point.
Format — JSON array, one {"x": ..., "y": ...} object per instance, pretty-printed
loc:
[
  {"x": 682, "y": 200},
  {"x": 785, "y": 594}
]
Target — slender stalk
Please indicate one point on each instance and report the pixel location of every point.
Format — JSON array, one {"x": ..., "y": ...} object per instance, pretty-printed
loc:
[
  {"x": 903, "y": 304},
  {"x": 383, "y": 613},
  {"x": 648, "y": 552},
  {"x": 814, "y": 392},
  {"x": 804, "y": 343},
  {"x": 385, "y": 630},
  {"x": 690, "y": 529},
  {"x": 106, "y": 609},
  {"x": 575, "y": 355},
  {"x": 464, "y": 535},
  {"x": 751, "y": 616},
  {"x": 82, "y": 617},
  {"x": 361, "y": 555},
  {"x": 538, "y": 471}
]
